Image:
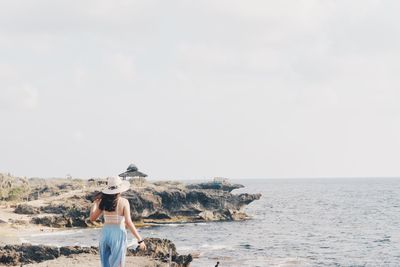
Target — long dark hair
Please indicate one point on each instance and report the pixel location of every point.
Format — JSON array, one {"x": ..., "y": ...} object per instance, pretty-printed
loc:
[{"x": 109, "y": 202}]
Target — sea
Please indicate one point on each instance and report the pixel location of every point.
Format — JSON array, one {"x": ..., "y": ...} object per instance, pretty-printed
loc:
[{"x": 297, "y": 222}]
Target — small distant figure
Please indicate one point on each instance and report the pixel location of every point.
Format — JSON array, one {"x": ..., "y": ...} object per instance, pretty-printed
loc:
[{"x": 217, "y": 264}]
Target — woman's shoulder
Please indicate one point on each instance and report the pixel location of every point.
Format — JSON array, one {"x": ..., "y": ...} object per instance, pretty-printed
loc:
[{"x": 124, "y": 200}]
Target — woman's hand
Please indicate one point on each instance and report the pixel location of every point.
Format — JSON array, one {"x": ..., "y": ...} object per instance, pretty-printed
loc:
[
  {"x": 97, "y": 196},
  {"x": 142, "y": 246}
]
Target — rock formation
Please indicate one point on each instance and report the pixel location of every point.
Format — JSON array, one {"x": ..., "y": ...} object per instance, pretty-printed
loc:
[
  {"x": 177, "y": 203},
  {"x": 224, "y": 186},
  {"x": 160, "y": 249},
  {"x": 163, "y": 250},
  {"x": 159, "y": 202}
]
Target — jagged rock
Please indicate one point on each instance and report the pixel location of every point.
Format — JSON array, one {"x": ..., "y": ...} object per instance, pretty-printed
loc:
[
  {"x": 193, "y": 204},
  {"x": 216, "y": 186},
  {"x": 69, "y": 214},
  {"x": 24, "y": 254},
  {"x": 69, "y": 250},
  {"x": 53, "y": 221},
  {"x": 159, "y": 202},
  {"x": 161, "y": 249},
  {"x": 62, "y": 221},
  {"x": 26, "y": 209},
  {"x": 55, "y": 209}
]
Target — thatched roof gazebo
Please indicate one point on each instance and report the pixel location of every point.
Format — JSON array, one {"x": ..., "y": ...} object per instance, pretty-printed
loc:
[{"x": 132, "y": 171}]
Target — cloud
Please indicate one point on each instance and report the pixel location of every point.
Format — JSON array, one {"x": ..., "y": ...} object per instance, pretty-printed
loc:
[
  {"x": 259, "y": 88},
  {"x": 29, "y": 97},
  {"x": 24, "y": 97},
  {"x": 46, "y": 16},
  {"x": 80, "y": 76},
  {"x": 78, "y": 135},
  {"x": 123, "y": 67}
]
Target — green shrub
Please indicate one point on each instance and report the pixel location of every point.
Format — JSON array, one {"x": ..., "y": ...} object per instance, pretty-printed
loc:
[{"x": 16, "y": 193}]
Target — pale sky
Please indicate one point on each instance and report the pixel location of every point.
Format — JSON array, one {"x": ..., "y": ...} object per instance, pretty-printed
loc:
[{"x": 197, "y": 89}]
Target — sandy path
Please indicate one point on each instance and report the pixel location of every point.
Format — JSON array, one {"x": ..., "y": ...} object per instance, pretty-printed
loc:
[
  {"x": 86, "y": 260},
  {"x": 10, "y": 232},
  {"x": 7, "y": 212}
]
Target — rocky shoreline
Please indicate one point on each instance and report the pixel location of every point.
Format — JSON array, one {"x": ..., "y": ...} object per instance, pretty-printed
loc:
[
  {"x": 49, "y": 204},
  {"x": 161, "y": 250},
  {"x": 158, "y": 202}
]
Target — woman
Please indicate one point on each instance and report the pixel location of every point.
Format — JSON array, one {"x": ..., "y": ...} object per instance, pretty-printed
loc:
[{"x": 117, "y": 214}]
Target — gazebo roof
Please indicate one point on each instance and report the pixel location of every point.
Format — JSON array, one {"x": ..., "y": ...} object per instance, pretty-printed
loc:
[
  {"x": 133, "y": 174},
  {"x": 132, "y": 171}
]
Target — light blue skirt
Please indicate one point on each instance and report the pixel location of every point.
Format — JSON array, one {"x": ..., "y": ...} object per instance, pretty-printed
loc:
[{"x": 112, "y": 247}]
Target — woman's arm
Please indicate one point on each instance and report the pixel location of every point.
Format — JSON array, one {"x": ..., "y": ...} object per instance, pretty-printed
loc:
[
  {"x": 128, "y": 221},
  {"x": 129, "y": 224},
  {"x": 95, "y": 212}
]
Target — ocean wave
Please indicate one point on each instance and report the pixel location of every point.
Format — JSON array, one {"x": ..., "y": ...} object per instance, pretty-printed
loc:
[
  {"x": 215, "y": 247},
  {"x": 58, "y": 233}
]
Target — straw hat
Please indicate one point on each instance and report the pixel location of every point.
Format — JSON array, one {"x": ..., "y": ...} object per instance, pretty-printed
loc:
[{"x": 115, "y": 185}]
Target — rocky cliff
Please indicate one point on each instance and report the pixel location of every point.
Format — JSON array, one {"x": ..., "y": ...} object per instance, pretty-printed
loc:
[
  {"x": 177, "y": 202},
  {"x": 159, "y": 202}
]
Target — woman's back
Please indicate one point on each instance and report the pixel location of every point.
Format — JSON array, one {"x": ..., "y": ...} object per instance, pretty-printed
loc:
[{"x": 115, "y": 217}]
